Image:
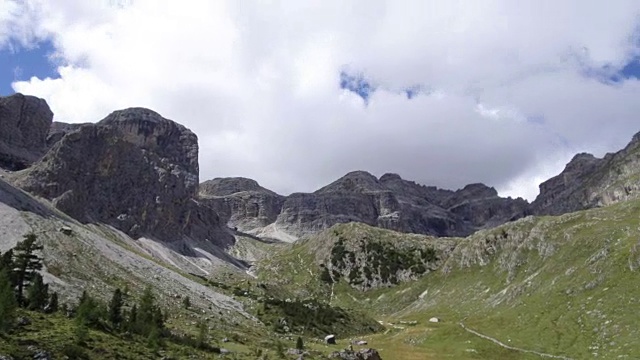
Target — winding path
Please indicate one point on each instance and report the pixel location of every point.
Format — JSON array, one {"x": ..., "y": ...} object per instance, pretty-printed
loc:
[{"x": 499, "y": 343}]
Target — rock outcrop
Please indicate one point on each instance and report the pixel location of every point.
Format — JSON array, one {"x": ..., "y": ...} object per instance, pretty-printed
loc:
[
  {"x": 24, "y": 125},
  {"x": 389, "y": 202},
  {"x": 134, "y": 170},
  {"x": 241, "y": 202},
  {"x": 58, "y": 130},
  {"x": 362, "y": 354},
  {"x": 588, "y": 182}
]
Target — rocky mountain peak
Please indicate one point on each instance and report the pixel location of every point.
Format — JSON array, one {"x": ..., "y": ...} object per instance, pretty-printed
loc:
[
  {"x": 24, "y": 125},
  {"x": 579, "y": 161},
  {"x": 588, "y": 181},
  {"x": 148, "y": 130},
  {"x": 478, "y": 191},
  {"x": 355, "y": 181},
  {"x": 134, "y": 170},
  {"x": 388, "y": 177},
  {"x": 229, "y": 186}
]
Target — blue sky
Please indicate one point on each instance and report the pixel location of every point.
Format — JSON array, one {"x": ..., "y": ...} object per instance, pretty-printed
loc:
[{"x": 19, "y": 63}]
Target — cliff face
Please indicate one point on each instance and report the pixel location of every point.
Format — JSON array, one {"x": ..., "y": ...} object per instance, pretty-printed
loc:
[
  {"x": 133, "y": 170},
  {"x": 241, "y": 202},
  {"x": 389, "y": 202},
  {"x": 24, "y": 124},
  {"x": 588, "y": 182}
]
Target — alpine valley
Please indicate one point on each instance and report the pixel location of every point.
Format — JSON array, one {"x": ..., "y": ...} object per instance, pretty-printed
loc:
[{"x": 226, "y": 268}]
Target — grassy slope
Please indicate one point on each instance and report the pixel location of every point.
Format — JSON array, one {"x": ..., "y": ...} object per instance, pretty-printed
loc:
[{"x": 561, "y": 285}]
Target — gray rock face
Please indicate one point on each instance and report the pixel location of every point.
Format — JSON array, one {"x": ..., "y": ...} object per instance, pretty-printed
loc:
[
  {"x": 24, "y": 124},
  {"x": 133, "y": 170},
  {"x": 389, "y": 202},
  {"x": 588, "y": 182},
  {"x": 241, "y": 202},
  {"x": 58, "y": 130}
]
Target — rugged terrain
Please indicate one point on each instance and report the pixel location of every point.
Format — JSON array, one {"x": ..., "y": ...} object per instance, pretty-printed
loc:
[
  {"x": 562, "y": 286},
  {"x": 388, "y": 202},
  {"x": 118, "y": 204},
  {"x": 135, "y": 171},
  {"x": 589, "y": 182}
]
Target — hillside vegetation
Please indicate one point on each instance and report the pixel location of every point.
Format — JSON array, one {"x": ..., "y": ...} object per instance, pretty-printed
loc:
[{"x": 565, "y": 286}]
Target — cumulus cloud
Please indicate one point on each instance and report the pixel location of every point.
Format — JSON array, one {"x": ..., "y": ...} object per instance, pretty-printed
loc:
[{"x": 505, "y": 94}]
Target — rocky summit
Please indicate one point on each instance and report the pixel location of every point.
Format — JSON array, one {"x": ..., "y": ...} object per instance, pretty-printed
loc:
[
  {"x": 24, "y": 125},
  {"x": 588, "y": 182},
  {"x": 241, "y": 201},
  {"x": 134, "y": 170},
  {"x": 389, "y": 202}
]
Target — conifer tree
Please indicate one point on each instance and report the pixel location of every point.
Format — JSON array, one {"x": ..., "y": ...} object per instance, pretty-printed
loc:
[
  {"x": 8, "y": 302},
  {"x": 26, "y": 263},
  {"x": 299, "y": 344},
  {"x": 52, "y": 306},
  {"x": 37, "y": 293},
  {"x": 6, "y": 260},
  {"x": 115, "y": 309},
  {"x": 89, "y": 311},
  {"x": 132, "y": 319},
  {"x": 149, "y": 315}
]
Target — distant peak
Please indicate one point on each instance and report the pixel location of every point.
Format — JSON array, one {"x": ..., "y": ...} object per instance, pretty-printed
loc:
[
  {"x": 135, "y": 114},
  {"x": 141, "y": 119},
  {"x": 353, "y": 181},
  {"x": 390, "y": 177},
  {"x": 583, "y": 156},
  {"x": 479, "y": 189},
  {"x": 229, "y": 185},
  {"x": 361, "y": 174}
]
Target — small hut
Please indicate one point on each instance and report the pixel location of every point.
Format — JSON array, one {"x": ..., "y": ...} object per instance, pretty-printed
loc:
[{"x": 330, "y": 339}]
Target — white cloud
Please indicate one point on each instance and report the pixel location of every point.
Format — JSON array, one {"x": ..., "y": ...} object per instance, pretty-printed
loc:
[{"x": 258, "y": 82}]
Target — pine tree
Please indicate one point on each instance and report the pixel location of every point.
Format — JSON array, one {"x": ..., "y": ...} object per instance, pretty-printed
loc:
[
  {"x": 186, "y": 302},
  {"x": 203, "y": 335},
  {"x": 89, "y": 311},
  {"x": 52, "y": 306},
  {"x": 132, "y": 320},
  {"x": 26, "y": 263},
  {"x": 115, "y": 309},
  {"x": 8, "y": 302},
  {"x": 148, "y": 316},
  {"x": 37, "y": 293},
  {"x": 6, "y": 260},
  {"x": 299, "y": 344}
]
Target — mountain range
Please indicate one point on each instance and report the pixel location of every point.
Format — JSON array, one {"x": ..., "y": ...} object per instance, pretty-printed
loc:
[{"x": 127, "y": 193}]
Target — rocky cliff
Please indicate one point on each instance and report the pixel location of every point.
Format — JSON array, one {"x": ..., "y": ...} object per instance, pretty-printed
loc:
[
  {"x": 241, "y": 202},
  {"x": 134, "y": 170},
  {"x": 24, "y": 125},
  {"x": 389, "y": 202},
  {"x": 588, "y": 182}
]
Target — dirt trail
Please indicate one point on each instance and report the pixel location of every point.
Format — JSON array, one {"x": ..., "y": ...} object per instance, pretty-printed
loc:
[{"x": 499, "y": 343}]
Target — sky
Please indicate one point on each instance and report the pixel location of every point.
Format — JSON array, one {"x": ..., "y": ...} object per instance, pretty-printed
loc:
[{"x": 296, "y": 94}]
